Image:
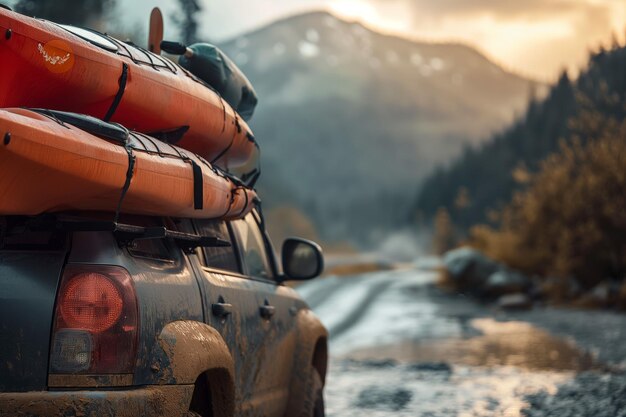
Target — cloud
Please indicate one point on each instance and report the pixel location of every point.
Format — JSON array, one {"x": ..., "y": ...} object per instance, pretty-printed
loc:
[
  {"x": 501, "y": 9},
  {"x": 535, "y": 37}
]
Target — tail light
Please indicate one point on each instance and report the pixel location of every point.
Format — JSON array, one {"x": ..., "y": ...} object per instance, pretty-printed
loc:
[{"x": 95, "y": 326}]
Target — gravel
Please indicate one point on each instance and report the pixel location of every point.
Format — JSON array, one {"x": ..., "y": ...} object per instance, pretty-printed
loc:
[{"x": 589, "y": 394}]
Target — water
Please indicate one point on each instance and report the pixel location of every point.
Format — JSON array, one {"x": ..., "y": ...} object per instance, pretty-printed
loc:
[{"x": 401, "y": 348}]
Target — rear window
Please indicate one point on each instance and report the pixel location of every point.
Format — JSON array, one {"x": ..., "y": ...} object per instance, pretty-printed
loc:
[{"x": 222, "y": 257}]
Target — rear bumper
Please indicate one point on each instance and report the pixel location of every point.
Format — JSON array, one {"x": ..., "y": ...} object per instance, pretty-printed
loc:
[{"x": 165, "y": 400}]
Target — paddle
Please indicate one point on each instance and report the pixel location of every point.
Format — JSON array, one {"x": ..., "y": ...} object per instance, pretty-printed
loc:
[{"x": 156, "y": 31}]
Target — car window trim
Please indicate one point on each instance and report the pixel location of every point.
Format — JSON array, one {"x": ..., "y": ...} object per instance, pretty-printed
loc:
[
  {"x": 270, "y": 263},
  {"x": 236, "y": 275},
  {"x": 147, "y": 257},
  {"x": 236, "y": 248},
  {"x": 234, "y": 245},
  {"x": 269, "y": 248}
]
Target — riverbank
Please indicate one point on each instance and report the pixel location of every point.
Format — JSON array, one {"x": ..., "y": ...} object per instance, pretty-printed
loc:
[{"x": 401, "y": 346}]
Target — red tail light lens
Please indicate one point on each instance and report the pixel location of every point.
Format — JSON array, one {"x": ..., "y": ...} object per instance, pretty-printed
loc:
[
  {"x": 95, "y": 329},
  {"x": 91, "y": 301}
]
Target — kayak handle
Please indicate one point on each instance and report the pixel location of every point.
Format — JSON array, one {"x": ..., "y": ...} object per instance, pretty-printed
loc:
[{"x": 176, "y": 48}]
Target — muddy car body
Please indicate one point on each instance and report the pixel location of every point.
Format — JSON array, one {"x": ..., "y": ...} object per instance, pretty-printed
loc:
[{"x": 149, "y": 317}]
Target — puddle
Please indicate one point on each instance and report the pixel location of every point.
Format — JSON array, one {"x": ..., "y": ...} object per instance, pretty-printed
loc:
[
  {"x": 400, "y": 348},
  {"x": 510, "y": 343},
  {"x": 490, "y": 372},
  {"x": 354, "y": 389}
]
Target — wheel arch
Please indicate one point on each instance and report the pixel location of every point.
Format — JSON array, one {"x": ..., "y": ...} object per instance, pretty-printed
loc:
[
  {"x": 195, "y": 350},
  {"x": 311, "y": 354}
]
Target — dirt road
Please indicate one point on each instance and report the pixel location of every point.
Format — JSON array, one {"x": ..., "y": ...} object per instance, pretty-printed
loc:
[{"x": 402, "y": 348}]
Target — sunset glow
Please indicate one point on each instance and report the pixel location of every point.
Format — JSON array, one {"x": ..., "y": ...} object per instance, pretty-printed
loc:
[{"x": 536, "y": 38}]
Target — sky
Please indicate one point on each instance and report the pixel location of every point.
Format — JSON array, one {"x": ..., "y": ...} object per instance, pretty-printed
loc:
[{"x": 535, "y": 38}]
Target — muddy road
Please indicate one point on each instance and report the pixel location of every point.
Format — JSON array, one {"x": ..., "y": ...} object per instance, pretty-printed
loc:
[{"x": 400, "y": 347}]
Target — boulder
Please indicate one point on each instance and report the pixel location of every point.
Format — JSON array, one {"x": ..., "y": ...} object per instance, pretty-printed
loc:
[
  {"x": 518, "y": 301},
  {"x": 506, "y": 281},
  {"x": 469, "y": 269},
  {"x": 603, "y": 295},
  {"x": 431, "y": 367},
  {"x": 560, "y": 290}
]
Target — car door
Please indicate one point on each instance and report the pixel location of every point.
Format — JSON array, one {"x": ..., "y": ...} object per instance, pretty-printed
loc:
[
  {"x": 231, "y": 305},
  {"x": 278, "y": 306}
]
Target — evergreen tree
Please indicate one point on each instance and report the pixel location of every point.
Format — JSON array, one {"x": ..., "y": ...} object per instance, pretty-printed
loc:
[
  {"x": 72, "y": 12},
  {"x": 443, "y": 239},
  {"x": 187, "y": 20},
  {"x": 487, "y": 172}
]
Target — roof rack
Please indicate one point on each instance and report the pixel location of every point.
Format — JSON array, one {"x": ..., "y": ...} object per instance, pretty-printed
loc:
[{"x": 126, "y": 234}]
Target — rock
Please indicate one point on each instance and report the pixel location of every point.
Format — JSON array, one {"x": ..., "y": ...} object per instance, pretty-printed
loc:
[
  {"x": 376, "y": 363},
  {"x": 506, "y": 281},
  {"x": 517, "y": 301},
  {"x": 559, "y": 290},
  {"x": 469, "y": 269},
  {"x": 385, "y": 398},
  {"x": 589, "y": 394},
  {"x": 431, "y": 367},
  {"x": 601, "y": 292},
  {"x": 605, "y": 294}
]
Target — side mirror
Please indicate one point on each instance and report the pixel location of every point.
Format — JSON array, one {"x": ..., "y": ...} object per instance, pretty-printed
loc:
[{"x": 302, "y": 259}]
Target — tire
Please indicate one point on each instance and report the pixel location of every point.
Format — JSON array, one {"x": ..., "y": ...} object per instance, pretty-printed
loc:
[{"x": 318, "y": 390}]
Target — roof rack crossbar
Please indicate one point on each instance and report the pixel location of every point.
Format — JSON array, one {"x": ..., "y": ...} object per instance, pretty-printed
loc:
[{"x": 126, "y": 234}]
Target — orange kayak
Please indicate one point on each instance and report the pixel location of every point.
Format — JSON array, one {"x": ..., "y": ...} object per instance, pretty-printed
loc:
[
  {"x": 76, "y": 70},
  {"x": 49, "y": 165}
]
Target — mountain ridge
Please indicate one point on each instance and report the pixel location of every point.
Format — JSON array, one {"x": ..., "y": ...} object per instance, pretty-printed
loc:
[
  {"x": 321, "y": 13},
  {"x": 350, "y": 120}
]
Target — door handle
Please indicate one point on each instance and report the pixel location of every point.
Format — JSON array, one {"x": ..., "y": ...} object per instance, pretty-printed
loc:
[
  {"x": 267, "y": 311},
  {"x": 222, "y": 309}
]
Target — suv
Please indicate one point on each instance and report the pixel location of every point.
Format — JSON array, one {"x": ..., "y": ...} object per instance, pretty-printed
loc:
[{"x": 148, "y": 316}]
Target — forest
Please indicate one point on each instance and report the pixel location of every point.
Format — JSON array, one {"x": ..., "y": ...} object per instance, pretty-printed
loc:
[
  {"x": 478, "y": 184},
  {"x": 546, "y": 196},
  {"x": 93, "y": 13}
]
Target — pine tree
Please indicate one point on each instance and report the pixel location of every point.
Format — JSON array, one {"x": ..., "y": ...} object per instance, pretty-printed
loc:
[
  {"x": 187, "y": 20},
  {"x": 72, "y": 12},
  {"x": 443, "y": 239}
]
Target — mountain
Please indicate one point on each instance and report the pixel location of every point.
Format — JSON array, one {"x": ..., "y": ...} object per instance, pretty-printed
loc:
[
  {"x": 351, "y": 120},
  {"x": 486, "y": 175}
]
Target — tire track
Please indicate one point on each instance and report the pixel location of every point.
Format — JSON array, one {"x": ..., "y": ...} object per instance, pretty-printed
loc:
[
  {"x": 319, "y": 295},
  {"x": 355, "y": 315}
]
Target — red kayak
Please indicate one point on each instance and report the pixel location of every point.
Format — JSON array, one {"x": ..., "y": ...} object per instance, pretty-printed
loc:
[
  {"x": 77, "y": 70},
  {"x": 54, "y": 161}
]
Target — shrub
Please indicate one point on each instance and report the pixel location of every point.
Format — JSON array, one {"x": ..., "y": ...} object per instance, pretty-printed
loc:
[{"x": 571, "y": 219}]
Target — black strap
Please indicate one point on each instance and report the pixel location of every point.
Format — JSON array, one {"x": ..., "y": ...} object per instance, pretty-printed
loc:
[
  {"x": 129, "y": 176},
  {"x": 120, "y": 92},
  {"x": 198, "y": 189},
  {"x": 232, "y": 141},
  {"x": 223, "y": 152}
]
